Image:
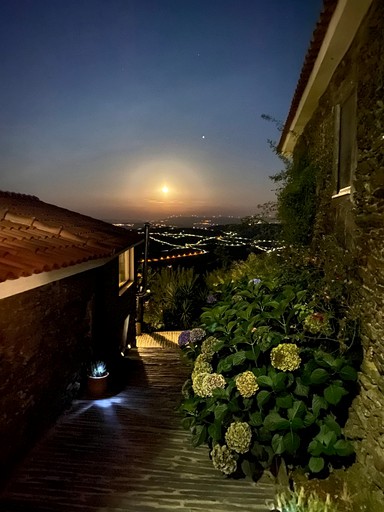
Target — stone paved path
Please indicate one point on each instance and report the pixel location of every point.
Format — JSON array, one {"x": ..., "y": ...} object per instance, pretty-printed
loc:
[{"x": 128, "y": 453}]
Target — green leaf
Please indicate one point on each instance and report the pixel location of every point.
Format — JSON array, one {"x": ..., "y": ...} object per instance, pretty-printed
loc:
[
  {"x": 215, "y": 430},
  {"x": 284, "y": 402},
  {"x": 279, "y": 381},
  {"x": 272, "y": 304},
  {"x": 315, "y": 448},
  {"x": 255, "y": 419},
  {"x": 245, "y": 315},
  {"x": 219, "y": 393},
  {"x": 289, "y": 293},
  {"x": 231, "y": 325},
  {"x": 348, "y": 373},
  {"x": 263, "y": 398},
  {"x": 186, "y": 423},
  {"x": 333, "y": 394},
  {"x": 291, "y": 442},
  {"x": 246, "y": 293},
  {"x": 301, "y": 294},
  {"x": 319, "y": 376},
  {"x": 257, "y": 450},
  {"x": 316, "y": 464},
  {"x": 250, "y": 325},
  {"x": 296, "y": 423},
  {"x": 297, "y": 410},
  {"x": 264, "y": 436},
  {"x": 277, "y": 444},
  {"x": 326, "y": 360},
  {"x": 309, "y": 419},
  {"x": 204, "y": 413},
  {"x": 266, "y": 457},
  {"x": 221, "y": 309},
  {"x": 219, "y": 345},
  {"x": 238, "y": 337},
  {"x": 273, "y": 421},
  {"x": 343, "y": 448},
  {"x": 224, "y": 365},
  {"x": 211, "y": 328},
  {"x": 339, "y": 362},
  {"x": 252, "y": 355},
  {"x": 210, "y": 405},
  {"x": 233, "y": 405},
  {"x": 290, "y": 379},
  {"x": 301, "y": 389},
  {"x": 307, "y": 370},
  {"x": 247, "y": 403},
  {"x": 326, "y": 437},
  {"x": 230, "y": 387},
  {"x": 248, "y": 468},
  {"x": 190, "y": 404},
  {"x": 264, "y": 381},
  {"x": 220, "y": 411},
  {"x": 200, "y": 435},
  {"x": 318, "y": 403},
  {"x": 332, "y": 424},
  {"x": 257, "y": 372},
  {"x": 249, "y": 311},
  {"x": 238, "y": 357}
]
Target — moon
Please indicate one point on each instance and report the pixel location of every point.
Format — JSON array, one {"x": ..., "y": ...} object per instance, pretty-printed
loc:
[{"x": 165, "y": 189}]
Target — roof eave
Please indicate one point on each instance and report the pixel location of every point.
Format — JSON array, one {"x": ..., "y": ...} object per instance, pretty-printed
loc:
[
  {"x": 337, "y": 39},
  {"x": 22, "y": 284}
]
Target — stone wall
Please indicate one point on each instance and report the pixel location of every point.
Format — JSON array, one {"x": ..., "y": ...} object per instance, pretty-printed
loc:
[
  {"x": 357, "y": 220},
  {"x": 48, "y": 336}
]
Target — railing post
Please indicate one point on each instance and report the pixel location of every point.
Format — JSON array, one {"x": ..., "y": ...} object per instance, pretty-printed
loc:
[{"x": 143, "y": 287}]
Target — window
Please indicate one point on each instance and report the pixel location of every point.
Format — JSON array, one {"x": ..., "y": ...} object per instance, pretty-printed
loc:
[
  {"x": 126, "y": 268},
  {"x": 345, "y": 145}
]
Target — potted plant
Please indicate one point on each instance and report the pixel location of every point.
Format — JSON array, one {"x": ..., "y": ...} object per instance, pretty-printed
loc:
[{"x": 98, "y": 379}]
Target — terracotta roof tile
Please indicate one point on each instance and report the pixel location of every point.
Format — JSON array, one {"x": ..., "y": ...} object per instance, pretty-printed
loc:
[
  {"x": 329, "y": 7},
  {"x": 38, "y": 237}
]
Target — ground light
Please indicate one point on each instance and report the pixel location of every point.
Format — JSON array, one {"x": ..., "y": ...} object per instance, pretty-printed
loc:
[{"x": 106, "y": 403}]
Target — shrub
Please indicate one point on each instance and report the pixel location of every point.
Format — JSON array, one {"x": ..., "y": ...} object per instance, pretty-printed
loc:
[
  {"x": 176, "y": 298},
  {"x": 283, "y": 384},
  {"x": 264, "y": 265},
  {"x": 297, "y": 201}
]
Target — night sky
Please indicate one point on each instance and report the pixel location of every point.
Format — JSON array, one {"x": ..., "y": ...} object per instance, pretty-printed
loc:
[{"x": 138, "y": 109}]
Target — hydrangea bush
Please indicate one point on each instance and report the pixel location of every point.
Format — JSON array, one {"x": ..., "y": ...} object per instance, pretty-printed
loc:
[{"x": 269, "y": 381}]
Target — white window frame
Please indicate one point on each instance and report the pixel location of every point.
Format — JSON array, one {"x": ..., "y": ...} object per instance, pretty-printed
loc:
[{"x": 340, "y": 136}]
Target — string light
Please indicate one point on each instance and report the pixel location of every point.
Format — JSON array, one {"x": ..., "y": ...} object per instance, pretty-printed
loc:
[{"x": 229, "y": 239}]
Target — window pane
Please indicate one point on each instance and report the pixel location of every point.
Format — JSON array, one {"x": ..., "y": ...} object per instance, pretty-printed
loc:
[
  {"x": 126, "y": 267},
  {"x": 122, "y": 269},
  {"x": 347, "y": 142}
]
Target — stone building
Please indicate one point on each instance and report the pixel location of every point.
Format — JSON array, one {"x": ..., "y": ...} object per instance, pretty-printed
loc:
[
  {"x": 67, "y": 297},
  {"x": 337, "y": 117}
]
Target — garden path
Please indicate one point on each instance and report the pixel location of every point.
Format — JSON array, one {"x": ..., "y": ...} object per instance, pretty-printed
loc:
[{"x": 127, "y": 452}]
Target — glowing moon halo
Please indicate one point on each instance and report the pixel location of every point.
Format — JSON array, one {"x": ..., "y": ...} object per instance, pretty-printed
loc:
[{"x": 165, "y": 189}]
